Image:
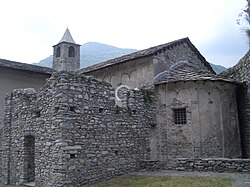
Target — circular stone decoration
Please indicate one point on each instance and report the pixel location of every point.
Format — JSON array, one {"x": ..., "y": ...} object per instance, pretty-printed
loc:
[{"x": 119, "y": 92}]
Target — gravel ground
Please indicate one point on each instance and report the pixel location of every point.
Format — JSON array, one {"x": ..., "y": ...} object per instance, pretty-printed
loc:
[{"x": 241, "y": 179}]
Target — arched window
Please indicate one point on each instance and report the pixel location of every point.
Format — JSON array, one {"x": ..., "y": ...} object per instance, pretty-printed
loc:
[
  {"x": 125, "y": 79},
  {"x": 71, "y": 51},
  {"x": 58, "y": 52}
]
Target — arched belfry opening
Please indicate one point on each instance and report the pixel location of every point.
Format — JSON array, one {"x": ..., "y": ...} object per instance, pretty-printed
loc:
[
  {"x": 58, "y": 52},
  {"x": 29, "y": 158},
  {"x": 66, "y": 54},
  {"x": 71, "y": 51}
]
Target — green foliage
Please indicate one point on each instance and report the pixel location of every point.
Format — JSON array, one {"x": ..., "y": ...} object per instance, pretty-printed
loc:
[
  {"x": 129, "y": 111},
  {"x": 248, "y": 32},
  {"x": 245, "y": 14},
  {"x": 230, "y": 71},
  {"x": 147, "y": 96}
]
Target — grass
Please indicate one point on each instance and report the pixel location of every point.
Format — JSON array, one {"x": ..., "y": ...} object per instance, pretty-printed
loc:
[
  {"x": 156, "y": 181},
  {"x": 176, "y": 181}
]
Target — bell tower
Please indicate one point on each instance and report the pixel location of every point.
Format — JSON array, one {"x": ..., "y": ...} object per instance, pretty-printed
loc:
[{"x": 66, "y": 55}]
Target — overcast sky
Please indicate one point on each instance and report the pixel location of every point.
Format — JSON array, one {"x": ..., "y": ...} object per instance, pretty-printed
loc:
[{"x": 29, "y": 28}]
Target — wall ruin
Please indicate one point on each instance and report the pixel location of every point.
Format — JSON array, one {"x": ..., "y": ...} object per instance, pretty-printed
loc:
[{"x": 80, "y": 136}]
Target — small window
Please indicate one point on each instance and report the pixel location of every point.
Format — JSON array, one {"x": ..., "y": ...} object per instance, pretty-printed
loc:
[
  {"x": 72, "y": 108},
  {"x": 180, "y": 116},
  {"x": 71, "y": 51},
  {"x": 37, "y": 114},
  {"x": 56, "y": 109},
  {"x": 101, "y": 110},
  {"x": 72, "y": 156},
  {"x": 58, "y": 52}
]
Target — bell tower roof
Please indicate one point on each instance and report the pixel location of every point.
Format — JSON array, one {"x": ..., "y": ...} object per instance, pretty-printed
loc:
[{"x": 67, "y": 37}]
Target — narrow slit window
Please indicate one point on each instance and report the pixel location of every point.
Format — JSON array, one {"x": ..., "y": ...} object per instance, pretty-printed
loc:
[{"x": 180, "y": 116}]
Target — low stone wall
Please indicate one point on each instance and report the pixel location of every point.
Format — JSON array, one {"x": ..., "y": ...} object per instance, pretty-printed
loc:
[
  {"x": 213, "y": 164},
  {"x": 151, "y": 165}
]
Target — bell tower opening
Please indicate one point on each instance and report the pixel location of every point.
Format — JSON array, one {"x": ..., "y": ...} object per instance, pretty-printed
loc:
[
  {"x": 71, "y": 51},
  {"x": 58, "y": 52}
]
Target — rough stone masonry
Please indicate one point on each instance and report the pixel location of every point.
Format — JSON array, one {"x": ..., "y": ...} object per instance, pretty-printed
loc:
[{"x": 72, "y": 133}]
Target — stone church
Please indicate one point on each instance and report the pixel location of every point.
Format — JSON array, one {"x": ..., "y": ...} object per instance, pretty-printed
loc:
[{"x": 158, "y": 108}]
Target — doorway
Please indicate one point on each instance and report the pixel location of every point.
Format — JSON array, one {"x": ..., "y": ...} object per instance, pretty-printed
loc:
[{"x": 29, "y": 158}]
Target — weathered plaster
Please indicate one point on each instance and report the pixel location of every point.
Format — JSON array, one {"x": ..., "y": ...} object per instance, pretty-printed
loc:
[{"x": 212, "y": 128}]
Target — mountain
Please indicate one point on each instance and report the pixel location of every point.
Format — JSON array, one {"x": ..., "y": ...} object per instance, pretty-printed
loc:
[
  {"x": 218, "y": 68},
  {"x": 94, "y": 52},
  {"x": 47, "y": 62}
]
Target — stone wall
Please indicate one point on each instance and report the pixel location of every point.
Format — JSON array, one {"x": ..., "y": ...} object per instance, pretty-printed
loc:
[
  {"x": 17, "y": 126},
  {"x": 243, "y": 94},
  {"x": 163, "y": 60},
  {"x": 141, "y": 71},
  {"x": 199, "y": 164},
  {"x": 211, "y": 128},
  {"x": 134, "y": 73},
  {"x": 63, "y": 60},
  {"x": 80, "y": 135},
  {"x": 241, "y": 72},
  {"x": 213, "y": 164},
  {"x": 5, "y": 142},
  {"x": 246, "y": 131}
]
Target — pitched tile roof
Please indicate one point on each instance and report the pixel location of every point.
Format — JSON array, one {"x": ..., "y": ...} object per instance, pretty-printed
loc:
[
  {"x": 145, "y": 53},
  {"x": 25, "y": 67},
  {"x": 184, "y": 71}
]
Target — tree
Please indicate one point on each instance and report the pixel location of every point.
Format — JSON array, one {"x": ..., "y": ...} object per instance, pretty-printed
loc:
[
  {"x": 247, "y": 11},
  {"x": 246, "y": 15}
]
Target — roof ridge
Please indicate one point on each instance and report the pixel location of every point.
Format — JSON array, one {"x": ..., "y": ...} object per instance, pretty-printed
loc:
[
  {"x": 138, "y": 54},
  {"x": 24, "y": 66}
]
